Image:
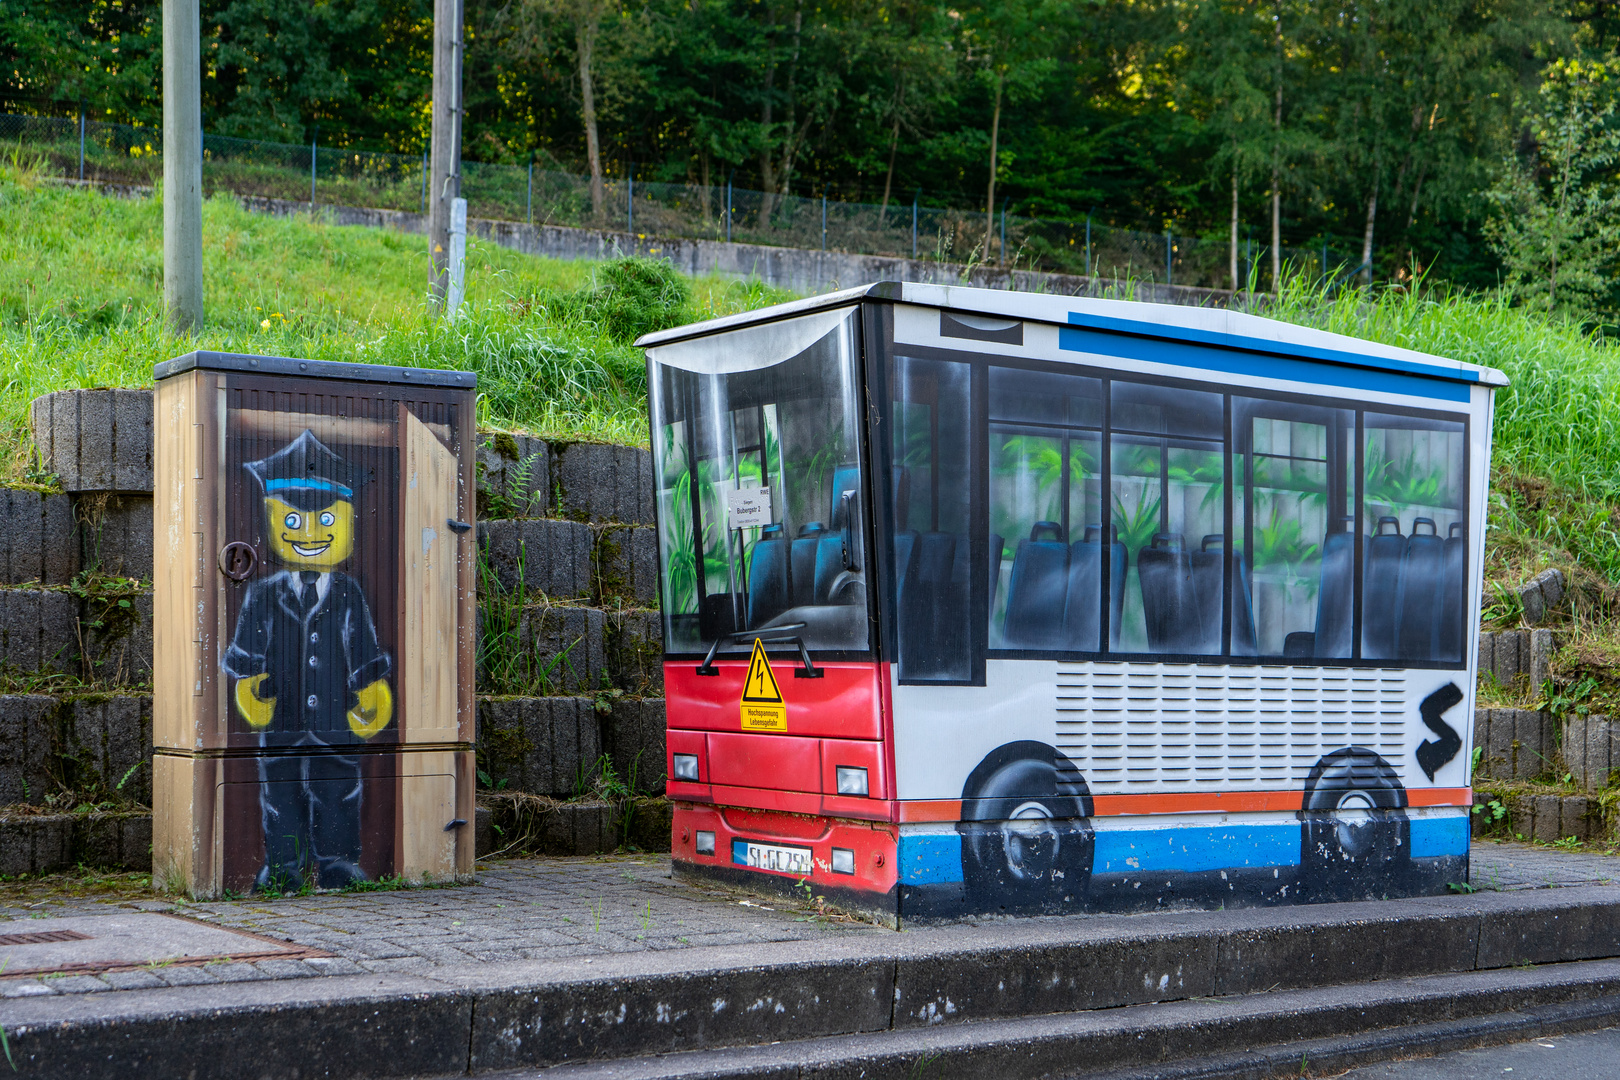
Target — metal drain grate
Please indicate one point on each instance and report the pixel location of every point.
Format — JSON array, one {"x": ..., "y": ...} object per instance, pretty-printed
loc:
[{"x": 42, "y": 937}]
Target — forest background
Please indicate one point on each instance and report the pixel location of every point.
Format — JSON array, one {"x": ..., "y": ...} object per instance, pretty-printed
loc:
[{"x": 1469, "y": 140}]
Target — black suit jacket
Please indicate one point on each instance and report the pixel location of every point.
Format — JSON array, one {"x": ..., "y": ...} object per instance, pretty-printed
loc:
[{"x": 316, "y": 660}]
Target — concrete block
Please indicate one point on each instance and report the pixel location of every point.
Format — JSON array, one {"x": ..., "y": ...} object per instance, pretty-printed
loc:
[
  {"x": 96, "y": 440},
  {"x": 1552, "y": 586},
  {"x": 542, "y": 746},
  {"x": 545, "y": 557},
  {"x": 1542, "y": 645},
  {"x": 36, "y": 538},
  {"x": 1548, "y": 819},
  {"x": 1534, "y": 744},
  {"x": 1576, "y": 818},
  {"x": 514, "y": 476},
  {"x": 578, "y": 829},
  {"x": 599, "y": 482},
  {"x": 35, "y": 843},
  {"x": 115, "y": 534},
  {"x": 1511, "y": 656},
  {"x": 635, "y": 652},
  {"x": 541, "y": 650},
  {"x": 1487, "y": 653},
  {"x": 1591, "y": 749},
  {"x": 39, "y": 631},
  {"x": 625, "y": 566},
  {"x": 1541, "y": 594},
  {"x": 117, "y": 633},
  {"x": 633, "y": 738},
  {"x": 105, "y": 740},
  {"x": 114, "y": 841},
  {"x": 27, "y": 748}
]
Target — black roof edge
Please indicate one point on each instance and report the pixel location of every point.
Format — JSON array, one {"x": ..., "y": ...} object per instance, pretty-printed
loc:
[{"x": 247, "y": 363}]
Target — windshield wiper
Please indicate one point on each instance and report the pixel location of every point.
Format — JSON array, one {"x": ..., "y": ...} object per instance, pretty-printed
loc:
[{"x": 805, "y": 670}]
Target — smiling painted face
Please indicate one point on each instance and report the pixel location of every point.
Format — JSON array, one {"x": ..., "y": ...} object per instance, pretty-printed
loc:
[{"x": 310, "y": 539}]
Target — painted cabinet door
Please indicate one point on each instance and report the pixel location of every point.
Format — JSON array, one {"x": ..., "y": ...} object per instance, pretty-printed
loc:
[{"x": 431, "y": 536}]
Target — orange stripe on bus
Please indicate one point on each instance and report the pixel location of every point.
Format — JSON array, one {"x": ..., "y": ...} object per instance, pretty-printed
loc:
[{"x": 1191, "y": 802}]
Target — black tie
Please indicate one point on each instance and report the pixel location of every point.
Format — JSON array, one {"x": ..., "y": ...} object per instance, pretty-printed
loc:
[{"x": 307, "y": 594}]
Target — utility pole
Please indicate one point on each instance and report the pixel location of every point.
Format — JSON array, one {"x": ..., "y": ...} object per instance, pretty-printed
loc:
[
  {"x": 182, "y": 166},
  {"x": 444, "y": 177}
]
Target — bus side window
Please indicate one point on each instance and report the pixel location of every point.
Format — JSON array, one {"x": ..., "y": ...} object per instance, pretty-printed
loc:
[
  {"x": 1048, "y": 554},
  {"x": 1414, "y": 515},
  {"x": 1293, "y": 514},
  {"x": 1167, "y": 496},
  {"x": 929, "y": 488}
]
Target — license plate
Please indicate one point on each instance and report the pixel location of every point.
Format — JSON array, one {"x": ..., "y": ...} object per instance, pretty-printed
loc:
[{"x": 785, "y": 860}]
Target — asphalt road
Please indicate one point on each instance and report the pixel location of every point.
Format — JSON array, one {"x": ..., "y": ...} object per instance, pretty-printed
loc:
[{"x": 1594, "y": 1055}]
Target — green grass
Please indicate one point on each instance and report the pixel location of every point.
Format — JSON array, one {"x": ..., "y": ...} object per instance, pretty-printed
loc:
[
  {"x": 81, "y": 301},
  {"x": 80, "y": 306}
]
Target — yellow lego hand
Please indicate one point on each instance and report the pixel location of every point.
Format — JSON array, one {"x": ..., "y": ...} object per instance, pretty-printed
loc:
[
  {"x": 373, "y": 710},
  {"x": 257, "y": 711}
]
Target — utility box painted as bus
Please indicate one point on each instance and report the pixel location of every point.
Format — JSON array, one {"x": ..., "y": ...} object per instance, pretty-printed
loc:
[
  {"x": 313, "y": 714},
  {"x": 987, "y": 602}
]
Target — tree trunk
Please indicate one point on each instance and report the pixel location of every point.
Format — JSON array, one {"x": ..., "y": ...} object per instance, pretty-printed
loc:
[
  {"x": 585, "y": 44},
  {"x": 990, "y": 196},
  {"x": 1234, "y": 251},
  {"x": 708, "y": 192},
  {"x": 1276, "y": 169},
  {"x": 1367, "y": 237},
  {"x": 767, "y": 163},
  {"x": 888, "y": 178}
]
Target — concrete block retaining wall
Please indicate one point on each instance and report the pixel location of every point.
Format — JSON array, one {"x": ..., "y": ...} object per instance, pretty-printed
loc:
[{"x": 1509, "y": 656}]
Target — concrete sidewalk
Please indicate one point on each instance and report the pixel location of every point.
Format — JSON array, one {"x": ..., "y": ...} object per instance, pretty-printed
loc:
[
  {"x": 568, "y": 960},
  {"x": 519, "y": 910}
]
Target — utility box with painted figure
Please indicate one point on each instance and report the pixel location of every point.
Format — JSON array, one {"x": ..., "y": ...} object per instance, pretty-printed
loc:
[{"x": 313, "y": 714}]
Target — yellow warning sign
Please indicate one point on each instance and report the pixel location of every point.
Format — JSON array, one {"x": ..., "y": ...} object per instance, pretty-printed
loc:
[{"x": 762, "y": 706}]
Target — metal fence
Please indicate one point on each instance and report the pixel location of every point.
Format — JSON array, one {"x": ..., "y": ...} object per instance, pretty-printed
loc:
[{"x": 126, "y": 154}]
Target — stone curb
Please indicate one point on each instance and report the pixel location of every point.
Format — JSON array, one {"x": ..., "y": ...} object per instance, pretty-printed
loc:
[{"x": 912, "y": 987}]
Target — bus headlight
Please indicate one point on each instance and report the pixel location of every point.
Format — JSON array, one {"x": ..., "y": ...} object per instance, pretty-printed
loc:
[
  {"x": 851, "y": 781},
  {"x": 686, "y": 767}
]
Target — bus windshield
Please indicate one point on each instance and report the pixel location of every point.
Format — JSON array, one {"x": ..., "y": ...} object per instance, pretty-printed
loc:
[{"x": 756, "y": 455}]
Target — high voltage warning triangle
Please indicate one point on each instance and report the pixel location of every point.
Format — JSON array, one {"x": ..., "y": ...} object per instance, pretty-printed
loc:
[{"x": 762, "y": 706}]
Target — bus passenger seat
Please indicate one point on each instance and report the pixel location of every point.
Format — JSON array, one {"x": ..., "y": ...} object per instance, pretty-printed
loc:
[
  {"x": 804, "y": 562},
  {"x": 998, "y": 551},
  {"x": 1083, "y": 595},
  {"x": 1035, "y": 591},
  {"x": 1381, "y": 591},
  {"x": 1335, "y": 599},
  {"x": 1454, "y": 597},
  {"x": 1208, "y": 568},
  {"x": 1422, "y": 589},
  {"x": 768, "y": 594},
  {"x": 926, "y": 618},
  {"x": 1169, "y": 599},
  {"x": 905, "y": 542}
]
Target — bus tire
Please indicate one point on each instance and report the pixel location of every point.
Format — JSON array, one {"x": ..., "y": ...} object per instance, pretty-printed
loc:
[
  {"x": 1027, "y": 843},
  {"x": 1355, "y": 836}
]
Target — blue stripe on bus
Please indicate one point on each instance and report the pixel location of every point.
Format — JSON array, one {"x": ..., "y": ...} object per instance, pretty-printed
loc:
[
  {"x": 1432, "y": 836},
  {"x": 930, "y": 859},
  {"x": 1260, "y": 365},
  {"x": 1193, "y": 848}
]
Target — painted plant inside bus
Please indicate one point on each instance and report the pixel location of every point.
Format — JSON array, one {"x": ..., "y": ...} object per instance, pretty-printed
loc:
[{"x": 983, "y": 602}]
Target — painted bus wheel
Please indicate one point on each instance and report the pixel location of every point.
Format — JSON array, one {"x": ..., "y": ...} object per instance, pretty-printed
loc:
[
  {"x": 1026, "y": 842},
  {"x": 1356, "y": 838}
]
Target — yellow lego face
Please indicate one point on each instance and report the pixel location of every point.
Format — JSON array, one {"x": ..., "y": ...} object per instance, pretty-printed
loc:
[{"x": 310, "y": 539}]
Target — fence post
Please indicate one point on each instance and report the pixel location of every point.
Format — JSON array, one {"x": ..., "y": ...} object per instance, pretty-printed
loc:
[
  {"x": 529, "y": 205},
  {"x": 424, "y": 180},
  {"x": 1169, "y": 274},
  {"x": 81, "y": 142},
  {"x": 630, "y": 202},
  {"x": 824, "y": 217},
  {"x": 729, "y": 179},
  {"x": 1088, "y": 245},
  {"x": 314, "y": 138},
  {"x": 914, "y": 199}
]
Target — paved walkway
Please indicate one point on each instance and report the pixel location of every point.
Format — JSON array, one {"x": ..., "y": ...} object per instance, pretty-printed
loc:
[{"x": 519, "y": 910}]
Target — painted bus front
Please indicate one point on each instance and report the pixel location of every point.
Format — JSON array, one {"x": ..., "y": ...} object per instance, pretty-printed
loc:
[{"x": 983, "y": 602}]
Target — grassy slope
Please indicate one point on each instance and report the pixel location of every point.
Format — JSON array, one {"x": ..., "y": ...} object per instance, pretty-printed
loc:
[
  {"x": 80, "y": 294},
  {"x": 80, "y": 302}
]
